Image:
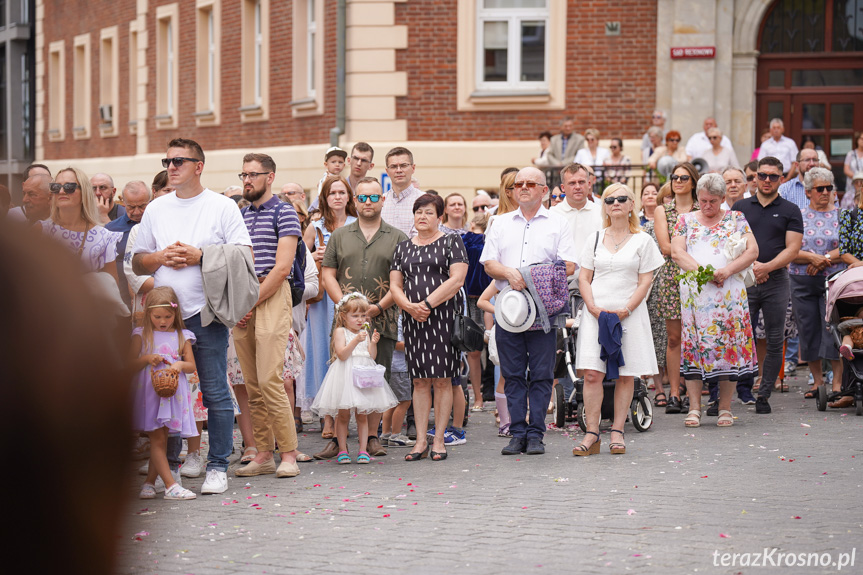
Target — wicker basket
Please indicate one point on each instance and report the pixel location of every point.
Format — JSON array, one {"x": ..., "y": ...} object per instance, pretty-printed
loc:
[{"x": 165, "y": 382}]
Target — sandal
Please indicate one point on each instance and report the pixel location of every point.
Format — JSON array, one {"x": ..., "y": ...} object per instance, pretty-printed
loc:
[
  {"x": 148, "y": 491},
  {"x": 617, "y": 448},
  {"x": 248, "y": 455},
  {"x": 304, "y": 458},
  {"x": 363, "y": 457},
  {"x": 693, "y": 418},
  {"x": 841, "y": 402},
  {"x": 343, "y": 458},
  {"x": 660, "y": 402},
  {"x": 476, "y": 408},
  {"x": 438, "y": 455},
  {"x": 584, "y": 450},
  {"x": 812, "y": 393},
  {"x": 725, "y": 418},
  {"x": 417, "y": 455}
]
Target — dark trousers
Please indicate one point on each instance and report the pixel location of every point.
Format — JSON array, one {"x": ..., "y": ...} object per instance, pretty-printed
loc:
[
  {"x": 771, "y": 298},
  {"x": 808, "y": 300},
  {"x": 518, "y": 352}
]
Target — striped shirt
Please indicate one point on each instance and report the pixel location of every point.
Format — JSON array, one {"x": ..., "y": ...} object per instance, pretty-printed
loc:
[{"x": 262, "y": 229}]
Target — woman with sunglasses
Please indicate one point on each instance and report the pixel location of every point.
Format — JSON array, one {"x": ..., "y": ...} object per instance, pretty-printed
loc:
[
  {"x": 618, "y": 164},
  {"x": 718, "y": 157},
  {"x": 74, "y": 221},
  {"x": 817, "y": 259},
  {"x": 337, "y": 209},
  {"x": 683, "y": 180},
  {"x": 671, "y": 148},
  {"x": 616, "y": 270}
]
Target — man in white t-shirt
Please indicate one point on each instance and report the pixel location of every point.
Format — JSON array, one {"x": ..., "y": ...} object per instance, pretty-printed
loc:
[
  {"x": 699, "y": 142},
  {"x": 172, "y": 232},
  {"x": 582, "y": 216},
  {"x": 779, "y": 146}
]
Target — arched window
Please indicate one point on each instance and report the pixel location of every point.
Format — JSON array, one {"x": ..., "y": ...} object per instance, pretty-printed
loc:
[{"x": 813, "y": 26}]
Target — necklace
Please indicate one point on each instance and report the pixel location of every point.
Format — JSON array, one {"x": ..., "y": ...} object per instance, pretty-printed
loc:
[{"x": 616, "y": 243}]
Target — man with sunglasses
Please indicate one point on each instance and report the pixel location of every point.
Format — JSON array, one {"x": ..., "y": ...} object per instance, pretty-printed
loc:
[
  {"x": 778, "y": 228},
  {"x": 532, "y": 234},
  {"x": 171, "y": 236},
  {"x": 360, "y": 162},
  {"x": 358, "y": 258},
  {"x": 480, "y": 204},
  {"x": 751, "y": 171}
]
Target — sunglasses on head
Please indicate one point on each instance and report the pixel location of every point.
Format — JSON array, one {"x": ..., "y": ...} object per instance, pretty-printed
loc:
[
  {"x": 772, "y": 177},
  {"x": 479, "y": 208},
  {"x": 683, "y": 178},
  {"x": 68, "y": 188},
  {"x": 177, "y": 162},
  {"x": 822, "y": 189},
  {"x": 375, "y": 198},
  {"x": 619, "y": 199}
]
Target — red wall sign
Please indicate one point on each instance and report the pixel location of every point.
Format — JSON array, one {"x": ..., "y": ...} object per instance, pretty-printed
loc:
[{"x": 693, "y": 52}]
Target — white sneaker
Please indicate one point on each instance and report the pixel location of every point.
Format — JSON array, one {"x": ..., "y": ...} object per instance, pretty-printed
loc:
[
  {"x": 193, "y": 466},
  {"x": 160, "y": 485},
  {"x": 178, "y": 492},
  {"x": 144, "y": 469},
  {"x": 216, "y": 482}
]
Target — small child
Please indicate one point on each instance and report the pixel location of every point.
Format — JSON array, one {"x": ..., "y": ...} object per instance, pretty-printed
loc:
[
  {"x": 334, "y": 163},
  {"x": 163, "y": 339},
  {"x": 852, "y": 340},
  {"x": 353, "y": 354}
]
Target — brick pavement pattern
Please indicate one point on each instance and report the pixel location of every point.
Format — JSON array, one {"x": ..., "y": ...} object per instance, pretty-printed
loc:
[{"x": 788, "y": 480}]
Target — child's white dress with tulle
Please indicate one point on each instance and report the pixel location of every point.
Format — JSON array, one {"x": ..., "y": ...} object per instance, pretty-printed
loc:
[{"x": 339, "y": 392}]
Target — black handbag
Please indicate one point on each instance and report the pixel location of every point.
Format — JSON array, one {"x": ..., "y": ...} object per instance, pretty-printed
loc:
[{"x": 466, "y": 335}]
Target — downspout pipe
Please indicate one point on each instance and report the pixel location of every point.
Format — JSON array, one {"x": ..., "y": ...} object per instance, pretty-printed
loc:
[{"x": 341, "y": 36}]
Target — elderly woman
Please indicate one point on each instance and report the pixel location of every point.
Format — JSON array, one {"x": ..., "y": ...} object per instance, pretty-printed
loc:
[
  {"x": 671, "y": 148},
  {"x": 683, "y": 180},
  {"x": 818, "y": 258},
  {"x": 718, "y": 345},
  {"x": 337, "y": 209},
  {"x": 616, "y": 270},
  {"x": 718, "y": 157},
  {"x": 74, "y": 221},
  {"x": 427, "y": 271}
]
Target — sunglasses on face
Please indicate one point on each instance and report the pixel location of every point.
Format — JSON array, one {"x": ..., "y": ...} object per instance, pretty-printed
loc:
[
  {"x": 683, "y": 178},
  {"x": 750, "y": 178},
  {"x": 528, "y": 185},
  {"x": 177, "y": 162},
  {"x": 68, "y": 188},
  {"x": 673, "y": 140},
  {"x": 619, "y": 199},
  {"x": 822, "y": 189},
  {"x": 375, "y": 198},
  {"x": 772, "y": 177},
  {"x": 479, "y": 208},
  {"x": 561, "y": 196}
]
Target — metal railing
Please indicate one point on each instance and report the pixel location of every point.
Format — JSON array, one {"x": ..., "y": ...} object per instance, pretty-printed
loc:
[{"x": 633, "y": 176}]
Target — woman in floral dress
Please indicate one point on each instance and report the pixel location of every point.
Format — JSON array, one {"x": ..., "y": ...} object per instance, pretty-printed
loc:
[{"x": 717, "y": 340}]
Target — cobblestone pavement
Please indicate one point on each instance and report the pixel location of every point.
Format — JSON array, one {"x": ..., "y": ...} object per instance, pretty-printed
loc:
[{"x": 675, "y": 503}]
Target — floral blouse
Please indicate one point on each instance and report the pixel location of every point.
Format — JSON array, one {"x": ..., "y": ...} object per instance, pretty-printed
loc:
[
  {"x": 851, "y": 233},
  {"x": 820, "y": 235}
]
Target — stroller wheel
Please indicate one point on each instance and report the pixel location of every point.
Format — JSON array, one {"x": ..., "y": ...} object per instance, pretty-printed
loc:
[
  {"x": 821, "y": 398},
  {"x": 559, "y": 413},
  {"x": 642, "y": 413},
  {"x": 859, "y": 410}
]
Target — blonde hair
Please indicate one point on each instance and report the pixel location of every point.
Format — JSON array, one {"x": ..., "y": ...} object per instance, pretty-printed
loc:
[
  {"x": 505, "y": 203},
  {"x": 481, "y": 221},
  {"x": 634, "y": 225},
  {"x": 353, "y": 304},
  {"x": 664, "y": 192},
  {"x": 163, "y": 296},
  {"x": 446, "y": 205},
  {"x": 89, "y": 211},
  {"x": 592, "y": 132}
]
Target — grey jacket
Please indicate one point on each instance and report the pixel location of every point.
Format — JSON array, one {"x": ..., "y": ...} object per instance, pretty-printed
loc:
[{"x": 230, "y": 284}]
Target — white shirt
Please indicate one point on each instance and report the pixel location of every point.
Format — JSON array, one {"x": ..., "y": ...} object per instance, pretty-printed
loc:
[
  {"x": 785, "y": 150},
  {"x": 16, "y": 215},
  {"x": 582, "y": 223},
  {"x": 584, "y": 158},
  {"x": 208, "y": 218},
  {"x": 311, "y": 279},
  {"x": 516, "y": 242},
  {"x": 700, "y": 143}
]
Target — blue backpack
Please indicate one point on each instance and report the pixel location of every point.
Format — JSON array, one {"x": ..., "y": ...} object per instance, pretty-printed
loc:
[{"x": 297, "y": 279}]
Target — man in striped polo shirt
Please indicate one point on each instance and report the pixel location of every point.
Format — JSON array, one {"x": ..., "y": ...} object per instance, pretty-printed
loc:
[{"x": 262, "y": 336}]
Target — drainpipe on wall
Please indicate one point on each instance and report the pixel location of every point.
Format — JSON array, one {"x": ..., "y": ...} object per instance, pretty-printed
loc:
[{"x": 339, "y": 129}]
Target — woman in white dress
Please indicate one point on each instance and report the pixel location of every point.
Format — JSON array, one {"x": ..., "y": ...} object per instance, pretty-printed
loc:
[{"x": 617, "y": 267}]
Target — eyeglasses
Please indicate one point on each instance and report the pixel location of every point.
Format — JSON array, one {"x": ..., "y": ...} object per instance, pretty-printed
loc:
[
  {"x": 672, "y": 139},
  {"x": 822, "y": 189},
  {"x": 657, "y": 116},
  {"x": 401, "y": 167},
  {"x": 528, "y": 185},
  {"x": 683, "y": 178},
  {"x": 375, "y": 198},
  {"x": 612, "y": 147},
  {"x": 561, "y": 196},
  {"x": 68, "y": 188},
  {"x": 619, "y": 199},
  {"x": 178, "y": 161},
  {"x": 359, "y": 161},
  {"x": 750, "y": 178},
  {"x": 252, "y": 175},
  {"x": 809, "y": 161},
  {"x": 480, "y": 208},
  {"x": 772, "y": 177}
]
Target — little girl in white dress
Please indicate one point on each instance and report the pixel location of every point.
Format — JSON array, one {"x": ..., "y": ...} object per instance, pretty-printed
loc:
[{"x": 354, "y": 381}]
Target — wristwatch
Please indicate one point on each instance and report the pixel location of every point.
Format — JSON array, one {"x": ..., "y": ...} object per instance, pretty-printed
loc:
[
  {"x": 828, "y": 258},
  {"x": 428, "y": 305}
]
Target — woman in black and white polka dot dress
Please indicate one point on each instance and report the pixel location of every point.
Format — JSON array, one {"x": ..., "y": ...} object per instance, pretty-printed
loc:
[{"x": 427, "y": 271}]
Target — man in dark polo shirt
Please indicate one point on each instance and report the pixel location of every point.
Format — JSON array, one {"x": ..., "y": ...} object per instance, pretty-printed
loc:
[
  {"x": 262, "y": 336},
  {"x": 358, "y": 258},
  {"x": 778, "y": 228}
]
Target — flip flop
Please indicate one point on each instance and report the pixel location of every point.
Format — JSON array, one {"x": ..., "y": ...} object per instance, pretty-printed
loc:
[
  {"x": 811, "y": 393},
  {"x": 660, "y": 402}
]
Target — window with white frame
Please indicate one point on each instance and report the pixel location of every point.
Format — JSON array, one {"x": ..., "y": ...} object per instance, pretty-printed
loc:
[
  {"x": 255, "y": 55},
  {"x": 208, "y": 63},
  {"x": 512, "y": 45},
  {"x": 81, "y": 87},
  {"x": 311, "y": 31},
  {"x": 109, "y": 84},
  {"x": 167, "y": 76},
  {"x": 133, "y": 77},
  {"x": 308, "y": 71},
  {"x": 56, "y": 92}
]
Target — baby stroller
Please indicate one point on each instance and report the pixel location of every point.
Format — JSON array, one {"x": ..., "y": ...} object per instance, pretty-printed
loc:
[
  {"x": 844, "y": 298},
  {"x": 641, "y": 408}
]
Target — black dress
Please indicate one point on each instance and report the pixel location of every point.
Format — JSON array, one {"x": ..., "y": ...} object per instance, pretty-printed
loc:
[{"x": 428, "y": 351}]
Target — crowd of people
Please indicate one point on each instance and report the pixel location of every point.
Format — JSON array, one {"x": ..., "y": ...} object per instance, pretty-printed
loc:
[{"x": 269, "y": 311}]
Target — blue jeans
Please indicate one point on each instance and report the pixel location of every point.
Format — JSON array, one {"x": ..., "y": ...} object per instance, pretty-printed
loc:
[
  {"x": 211, "y": 358},
  {"x": 771, "y": 298},
  {"x": 518, "y": 351}
]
